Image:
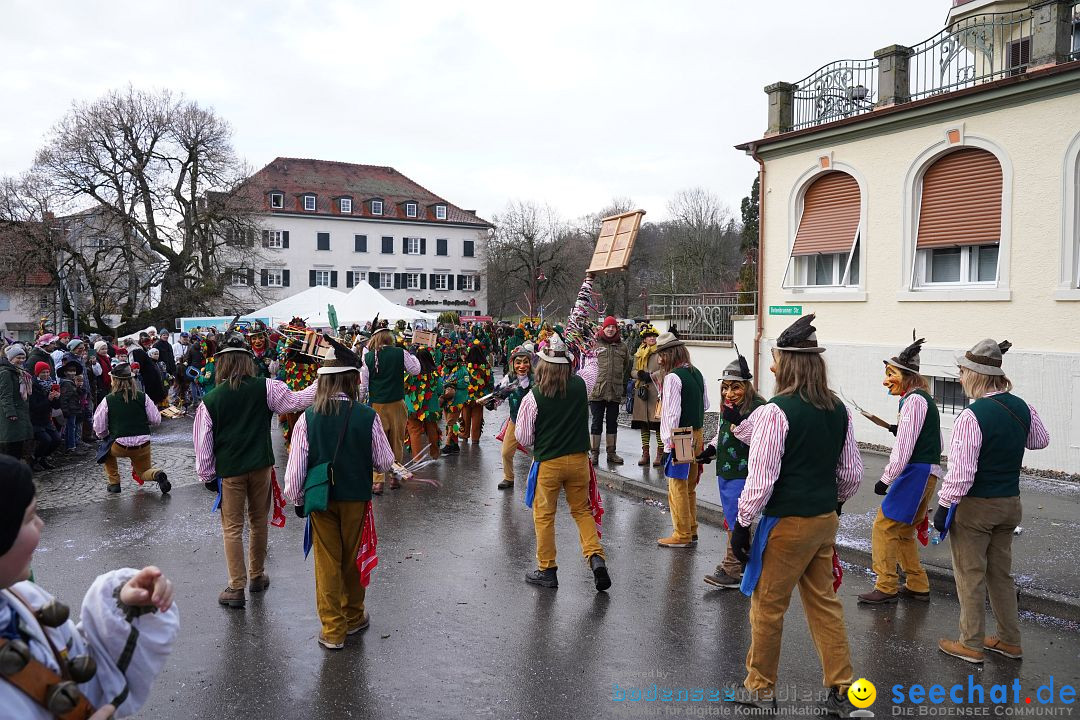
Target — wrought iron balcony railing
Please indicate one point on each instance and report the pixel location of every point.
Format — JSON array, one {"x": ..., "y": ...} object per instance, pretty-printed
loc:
[
  {"x": 702, "y": 316},
  {"x": 838, "y": 90}
]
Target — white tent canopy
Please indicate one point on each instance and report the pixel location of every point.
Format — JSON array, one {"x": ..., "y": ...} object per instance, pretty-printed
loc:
[
  {"x": 364, "y": 301},
  {"x": 358, "y": 306}
]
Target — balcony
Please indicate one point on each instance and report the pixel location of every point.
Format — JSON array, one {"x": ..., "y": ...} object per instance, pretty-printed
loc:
[{"x": 974, "y": 49}]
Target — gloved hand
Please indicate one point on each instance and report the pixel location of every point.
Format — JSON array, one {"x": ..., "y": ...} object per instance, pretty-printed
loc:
[
  {"x": 892, "y": 429},
  {"x": 880, "y": 488},
  {"x": 839, "y": 507},
  {"x": 731, "y": 414},
  {"x": 490, "y": 405},
  {"x": 664, "y": 460},
  {"x": 211, "y": 486},
  {"x": 299, "y": 510},
  {"x": 740, "y": 542},
  {"x": 644, "y": 376},
  {"x": 939, "y": 518},
  {"x": 707, "y": 455}
]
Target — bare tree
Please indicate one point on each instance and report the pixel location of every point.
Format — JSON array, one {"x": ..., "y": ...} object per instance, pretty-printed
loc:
[{"x": 703, "y": 252}]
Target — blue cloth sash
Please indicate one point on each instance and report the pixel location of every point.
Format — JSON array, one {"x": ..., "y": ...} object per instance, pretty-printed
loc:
[
  {"x": 308, "y": 539},
  {"x": 752, "y": 572},
  {"x": 948, "y": 522},
  {"x": 905, "y": 493},
  {"x": 730, "y": 490},
  {"x": 530, "y": 486},
  {"x": 676, "y": 471},
  {"x": 217, "y": 500}
]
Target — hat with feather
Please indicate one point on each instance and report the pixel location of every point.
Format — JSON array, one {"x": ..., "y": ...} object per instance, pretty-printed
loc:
[
  {"x": 908, "y": 359},
  {"x": 738, "y": 369},
  {"x": 556, "y": 351},
  {"x": 985, "y": 357},
  {"x": 800, "y": 337},
  {"x": 341, "y": 359},
  {"x": 233, "y": 341}
]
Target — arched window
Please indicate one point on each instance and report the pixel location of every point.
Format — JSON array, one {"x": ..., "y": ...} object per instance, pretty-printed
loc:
[
  {"x": 1069, "y": 285},
  {"x": 825, "y": 252}
]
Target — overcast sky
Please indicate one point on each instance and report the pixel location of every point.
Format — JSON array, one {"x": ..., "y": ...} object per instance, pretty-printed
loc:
[{"x": 568, "y": 103}]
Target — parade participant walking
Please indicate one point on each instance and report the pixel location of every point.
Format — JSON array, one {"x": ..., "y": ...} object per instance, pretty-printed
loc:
[
  {"x": 455, "y": 395},
  {"x": 732, "y": 458},
  {"x": 515, "y": 386},
  {"x": 123, "y": 419},
  {"x": 553, "y": 420},
  {"x": 234, "y": 454},
  {"x": 684, "y": 400},
  {"x": 804, "y": 464},
  {"x": 986, "y": 456},
  {"x": 907, "y": 483},
  {"x": 109, "y": 660},
  {"x": 472, "y": 414},
  {"x": 339, "y": 437},
  {"x": 647, "y": 396},
  {"x": 607, "y": 396},
  {"x": 15, "y": 388},
  {"x": 383, "y": 376},
  {"x": 423, "y": 393}
]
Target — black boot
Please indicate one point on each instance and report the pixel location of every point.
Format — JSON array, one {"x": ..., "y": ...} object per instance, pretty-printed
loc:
[
  {"x": 600, "y": 573},
  {"x": 163, "y": 482},
  {"x": 544, "y": 578},
  {"x": 837, "y": 704}
]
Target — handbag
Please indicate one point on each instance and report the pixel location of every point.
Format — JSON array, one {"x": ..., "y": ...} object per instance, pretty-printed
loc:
[{"x": 318, "y": 480}]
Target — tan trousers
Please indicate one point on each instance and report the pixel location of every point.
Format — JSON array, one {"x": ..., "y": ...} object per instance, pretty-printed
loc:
[
  {"x": 339, "y": 596},
  {"x": 453, "y": 417},
  {"x": 570, "y": 473},
  {"x": 509, "y": 450},
  {"x": 981, "y": 541},
  {"x": 472, "y": 421},
  {"x": 423, "y": 433},
  {"x": 799, "y": 552},
  {"x": 894, "y": 542},
  {"x": 140, "y": 462},
  {"x": 251, "y": 493},
  {"x": 394, "y": 419},
  {"x": 682, "y": 497}
]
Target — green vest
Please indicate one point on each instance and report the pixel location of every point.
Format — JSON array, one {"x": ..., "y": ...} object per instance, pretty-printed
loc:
[
  {"x": 928, "y": 445},
  {"x": 693, "y": 397},
  {"x": 352, "y": 469},
  {"x": 388, "y": 384},
  {"x": 127, "y": 418},
  {"x": 807, "y": 483},
  {"x": 1004, "y": 437},
  {"x": 732, "y": 454},
  {"x": 241, "y": 427},
  {"x": 562, "y": 424}
]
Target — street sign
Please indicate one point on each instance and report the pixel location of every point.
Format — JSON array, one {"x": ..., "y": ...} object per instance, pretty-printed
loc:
[{"x": 785, "y": 309}]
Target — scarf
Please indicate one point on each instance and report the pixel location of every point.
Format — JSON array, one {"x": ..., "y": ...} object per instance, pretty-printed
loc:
[{"x": 641, "y": 357}]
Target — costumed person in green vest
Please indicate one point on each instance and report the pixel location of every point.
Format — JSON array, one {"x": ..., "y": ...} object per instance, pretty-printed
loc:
[
  {"x": 455, "y": 395},
  {"x": 908, "y": 484},
  {"x": 683, "y": 402},
  {"x": 423, "y": 392},
  {"x": 553, "y": 420},
  {"x": 513, "y": 387},
  {"x": 512, "y": 343},
  {"x": 732, "y": 458},
  {"x": 337, "y": 444},
  {"x": 234, "y": 456},
  {"x": 980, "y": 501},
  {"x": 804, "y": 464},
  {"x": 383, "y": 376},
  {"x": 647, "y": 378},
  {"x": 124, "y": 417}
]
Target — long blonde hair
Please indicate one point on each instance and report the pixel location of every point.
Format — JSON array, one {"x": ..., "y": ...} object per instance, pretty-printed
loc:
[
  {"x": 380, "y": 340},
  {"x": 804, "y": 374},
  {"x": 551, "y": 378},
  {"x": 330, "y": 386},
  {"x": 977, "y": 385},
  {"x": 124, "y": 388},
  {"x": 232, "y": 368}
]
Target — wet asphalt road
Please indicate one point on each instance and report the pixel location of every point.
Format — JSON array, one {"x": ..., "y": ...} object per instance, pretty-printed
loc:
[{"x": 456, "y": 632}]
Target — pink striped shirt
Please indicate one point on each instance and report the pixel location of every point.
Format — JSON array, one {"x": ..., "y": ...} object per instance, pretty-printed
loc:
[
  {"x": 525, "y": 428},
  {"x": 412, "y": 366},
  {"x": 908, "y": 427},
  {"x": 769, "y": 428},
  {"x": 671, "y": 406},
  {"x": 101, "y": 423},
  {"x": 279, "y": 398},
  {"x": 964, "y": 452},
  {"x": 382, "y": 456}
]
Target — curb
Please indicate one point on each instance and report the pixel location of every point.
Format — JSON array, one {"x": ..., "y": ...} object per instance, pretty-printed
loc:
[{"x": 1030, "y": 599}]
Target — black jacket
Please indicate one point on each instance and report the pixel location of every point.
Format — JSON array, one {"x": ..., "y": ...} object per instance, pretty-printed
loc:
[
  {"x": 151, "y": 378},
  {"x": 165, "y": 354},
  {"x": 41, "y": 406}
]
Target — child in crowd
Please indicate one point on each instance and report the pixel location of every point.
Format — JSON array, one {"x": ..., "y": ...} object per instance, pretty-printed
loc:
[{"x": 44, "y": 398}]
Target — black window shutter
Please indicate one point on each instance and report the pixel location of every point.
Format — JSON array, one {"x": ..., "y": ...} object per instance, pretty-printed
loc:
[
  {"x": 262, "y": 277},
  {"x": 431, "y": 281},
  {"x": 476, "y": 282},
  {"x": 398, "y": 281},
  {"x": 284, "y": 238},
  {"x": 423, "y": 281},
  {"x": 460, "y": 282},
  {"x": 266, "y": 238},
  {"x": 388, "y": 245},
  {"x": 333, "y": 278},
  {"x": 251, "y": 276},
  {"x": 285, "y": 278},
  {"x": 348, "y": 278},
  {"x": 311, "y": 278},
  {"x": 404, "y": 245},
  {"x": 251, "y": 238},
  {"x": 360, "y": 243},
  {"x": 440, "y": 246},
  {"x": 373, "y": 279},
  {"x": 423, "y": 246},
  {"x": 229, "y": 236}
]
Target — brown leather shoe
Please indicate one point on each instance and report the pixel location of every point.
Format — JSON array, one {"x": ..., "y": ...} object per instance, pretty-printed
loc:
[
  {"x": 876, "y": 597},
  {"x": 377, "y": 488},
  {"x": 232, "y": 598},
  {"x": 363, "y": 625},
  {"x": 909, "y": 594},
  {"x": 259, "y": 583},
  {"x": 959, "y": 650},
  {"x": 994, "y": 644}
]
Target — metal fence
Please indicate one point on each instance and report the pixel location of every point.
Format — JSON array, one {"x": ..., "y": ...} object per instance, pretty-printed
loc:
[
  {"x": 838, "y": 90},
  {"x": 971, "y": 51},
  {"x": 702, "y": 316}
]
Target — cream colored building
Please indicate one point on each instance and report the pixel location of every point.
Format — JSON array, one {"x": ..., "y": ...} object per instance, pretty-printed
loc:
[{"x": 937, "y": 188}]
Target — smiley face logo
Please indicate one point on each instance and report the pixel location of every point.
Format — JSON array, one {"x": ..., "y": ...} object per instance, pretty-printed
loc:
[{"x": 862, "y": 694}]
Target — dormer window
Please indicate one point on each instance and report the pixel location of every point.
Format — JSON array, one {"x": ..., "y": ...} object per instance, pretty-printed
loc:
[
  {"x": 440, "y": 212},
  {"x": 410, "y": 210},
  {"x": 277, "y": 201},
  {"x": 309, "y": 203},
  {"x": 346, "y": 205},
  {"x": 376, "y": 207}
]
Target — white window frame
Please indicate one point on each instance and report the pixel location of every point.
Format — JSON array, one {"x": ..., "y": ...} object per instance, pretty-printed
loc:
[
  {"x": 440, "y": 212},
  {"x": 841, "y": 271},
  {"x": 359, "y": 276},
  {"x": 442, "y": 279},
  {"x": 412, "y": 246},
  {"x": 345, "y": 205},
  {"x": 239, "y": 278},
  {"x": 412, "y": 281},
  {"x": 277, "y": 201},
  {"x": 969, "y": 263},
  {"x": 386, "y": 280},
  {"x": 319, "y": 276},
  {"x": 468, "y": 283},
  {"x": 314, "y": 203},
  {"x": 376, "y": 207},
  {"x": 410, "y": 209},
  {"x": 274, "y": 239},
  {"x": 275, "y": 278},
  {"x": 1069, "y": 281}
]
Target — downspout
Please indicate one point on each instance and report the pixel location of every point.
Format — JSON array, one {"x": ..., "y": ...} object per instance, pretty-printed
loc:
[{"x": 760, "y": 261}]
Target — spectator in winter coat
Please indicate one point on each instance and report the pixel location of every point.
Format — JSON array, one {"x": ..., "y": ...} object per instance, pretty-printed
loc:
[
  {"x": 44, "y": 398},
  {"x": 15, "y": 383},
  {"x": 165, "y": 351},
  {"x": 102, "y": 370},
  {"x": 42, "y": 352}
]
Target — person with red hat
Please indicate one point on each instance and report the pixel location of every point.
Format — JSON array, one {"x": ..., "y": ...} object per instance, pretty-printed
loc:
[{"x": 613, "y": 359}]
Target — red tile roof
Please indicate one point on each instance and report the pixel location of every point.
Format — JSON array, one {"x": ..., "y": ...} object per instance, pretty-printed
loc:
[{"x": 330, "y": 180}]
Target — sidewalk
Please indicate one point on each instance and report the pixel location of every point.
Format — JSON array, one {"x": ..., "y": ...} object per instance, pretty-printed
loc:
[{"x": 1045, "y": 552}]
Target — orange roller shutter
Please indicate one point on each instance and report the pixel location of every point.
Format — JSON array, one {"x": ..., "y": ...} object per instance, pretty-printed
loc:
[
  {"x": 830, "y": 216},
  {"x": 961, "y": 201}
]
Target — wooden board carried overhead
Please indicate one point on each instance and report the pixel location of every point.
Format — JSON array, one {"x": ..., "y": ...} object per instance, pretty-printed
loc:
[{"x": 616, "y": 242}]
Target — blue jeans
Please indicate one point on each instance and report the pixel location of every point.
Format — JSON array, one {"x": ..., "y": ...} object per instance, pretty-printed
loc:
[
  {"x": 47, "y": 440},
  {"x": 72, "y": 431}
]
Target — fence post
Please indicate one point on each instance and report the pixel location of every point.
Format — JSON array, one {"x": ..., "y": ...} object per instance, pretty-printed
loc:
[
  {"x": 894, "y": 86},
  {"x": 781, "y": 107},
  {"x": 1051, "y": 33}
]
